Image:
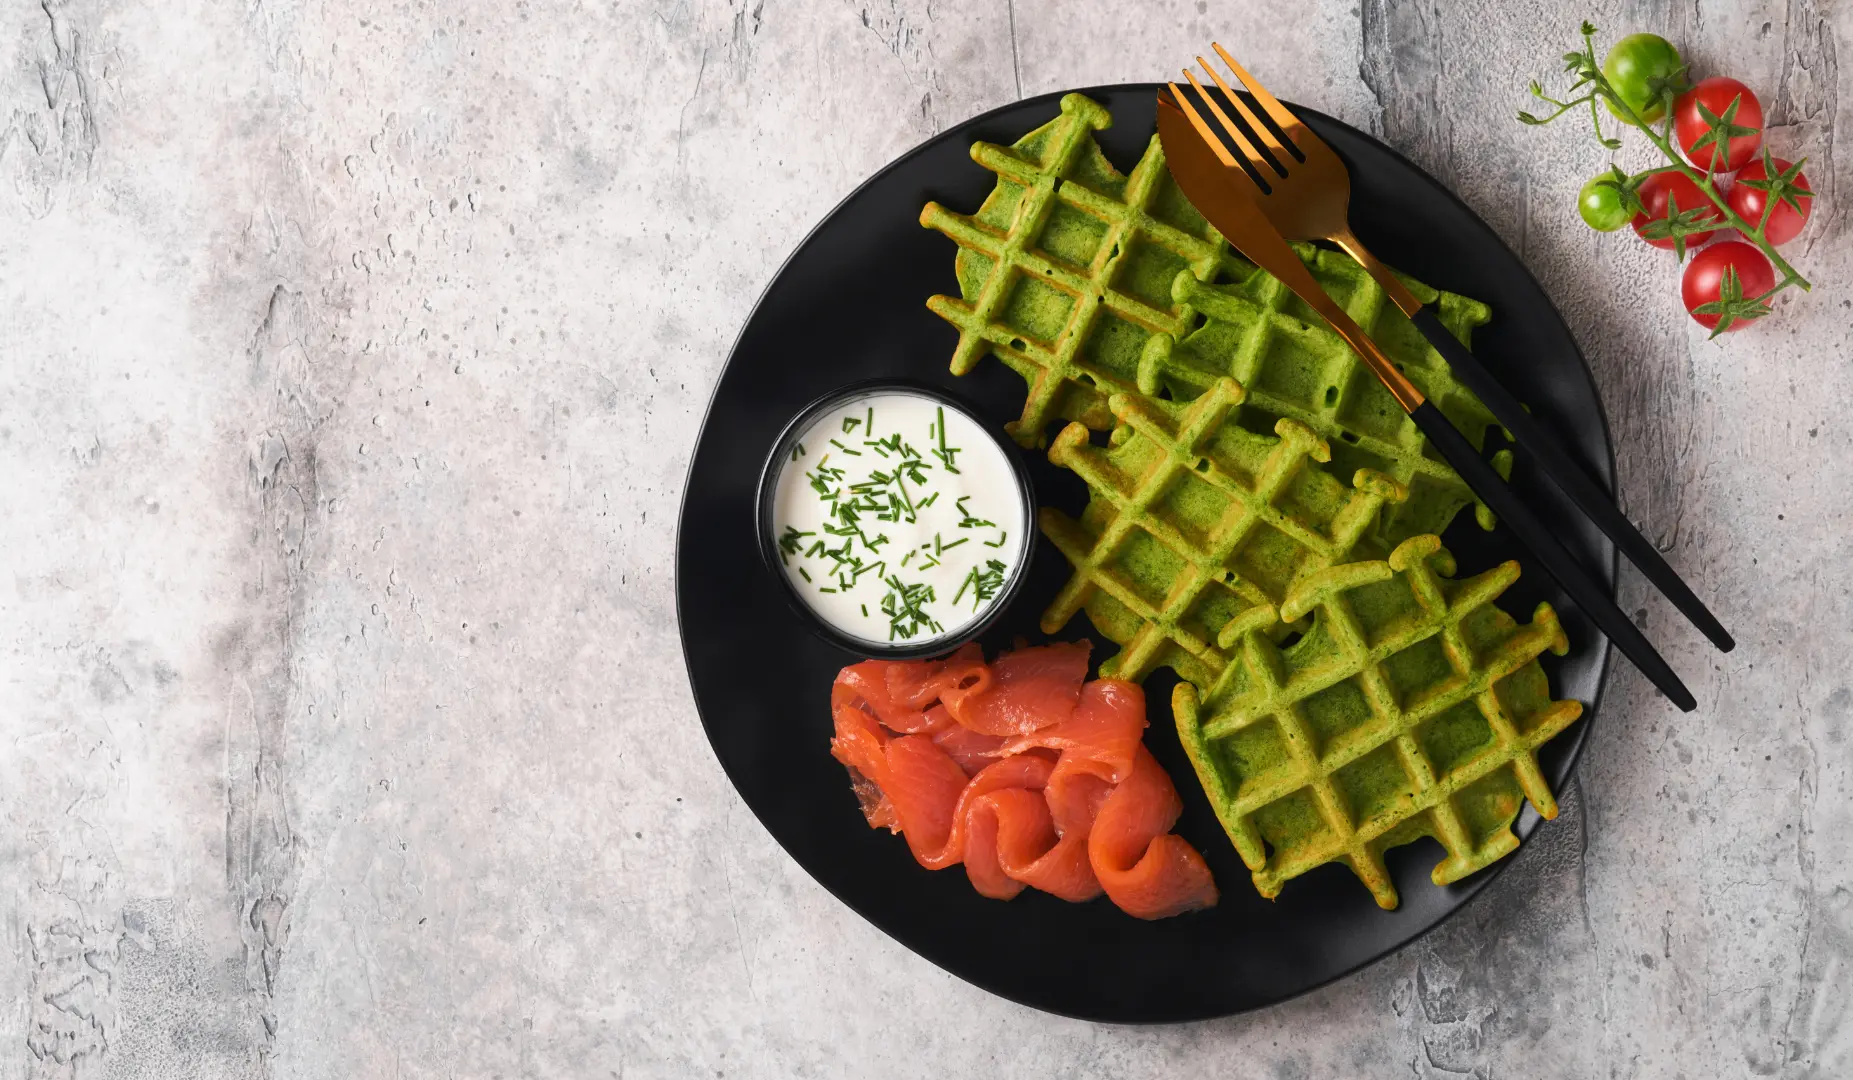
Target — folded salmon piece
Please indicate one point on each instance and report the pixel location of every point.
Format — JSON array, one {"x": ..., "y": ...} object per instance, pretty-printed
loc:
[
  {"x": 1145, "y": 868},
  {"x": 971, "y": 749},
  {"x": 1028, "y": 690},
  {"x": 861, "y": 744},
  {"x": 1107, "y": 726},
  {"x": 901, "y": 693}
]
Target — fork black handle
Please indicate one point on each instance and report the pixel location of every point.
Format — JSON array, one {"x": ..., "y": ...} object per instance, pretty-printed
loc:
[
  {"x": 1536, "y": 440},
  {"x": 1538, "y": 536}
]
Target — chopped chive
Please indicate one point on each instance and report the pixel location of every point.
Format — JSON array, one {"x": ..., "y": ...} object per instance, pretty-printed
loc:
[
  {"x": 789, "y": 543},
  {"x": 904, "y": 606},
  {"x": 850, "y": 423},
  {"x": 832, "y": 591},
  {"x": 905, "y": 499},
  {"x": 803, "y": 575},
  {"x": 945, "y": 453},
  {"x": 865, "y": 611},
  {"x": 797, "y": 451},
  {"x": 984, "y": 584},
  {"x": 1001, "y": 535},
  {"x": 954, "y": 544}
]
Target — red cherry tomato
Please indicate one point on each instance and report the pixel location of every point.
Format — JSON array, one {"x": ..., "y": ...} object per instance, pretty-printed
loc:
[
  {"x": 1715, "y": 96},
  {"x": 1656, "y": 190},
  {"x": 1784, "y": 221},
  {"x": 1704, "y": 279}
]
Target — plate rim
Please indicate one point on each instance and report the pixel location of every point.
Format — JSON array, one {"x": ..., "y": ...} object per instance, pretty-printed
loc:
[{"x": 1528, "y": 819}]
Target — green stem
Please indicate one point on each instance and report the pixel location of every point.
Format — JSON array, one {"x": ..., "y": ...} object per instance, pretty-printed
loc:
[{"x": 1769, "y": 206}]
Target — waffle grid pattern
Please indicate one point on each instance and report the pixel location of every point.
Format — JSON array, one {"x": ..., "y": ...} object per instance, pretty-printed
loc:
[
  {"x": 1192, "y": 521},
  {"x": 1070, "y": 308},
  {"x": 1293, "y": 365},
  {"x": 1395, "y": 766}
]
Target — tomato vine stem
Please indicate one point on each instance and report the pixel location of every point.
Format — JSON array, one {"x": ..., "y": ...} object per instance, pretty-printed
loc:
[{"x": 1590, "y": 77}]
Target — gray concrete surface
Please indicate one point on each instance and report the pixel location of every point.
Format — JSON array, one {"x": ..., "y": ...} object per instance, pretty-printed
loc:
[{"x": 350, "y": 359}]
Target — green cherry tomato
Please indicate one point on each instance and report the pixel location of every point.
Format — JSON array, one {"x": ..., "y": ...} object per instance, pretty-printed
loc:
[
  {"x": 1601, "y": 206},
  {"x": 1631, "y": 68}
]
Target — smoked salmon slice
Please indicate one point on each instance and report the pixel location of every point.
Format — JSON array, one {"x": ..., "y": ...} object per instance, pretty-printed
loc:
[
  {"x": 1008, "y": 828},
  {"x": 1145, "y": 868},
  {"x": 924, "y": 785},
  {"x": 973, "y": 750},
  {"x": 861, "y": 744},
  {"x": 1027, "y": 690},
  {"x": 901, "y": 693},
  {"x": 1107, "y": 726},
  {"x": 1023, "y": 772}
]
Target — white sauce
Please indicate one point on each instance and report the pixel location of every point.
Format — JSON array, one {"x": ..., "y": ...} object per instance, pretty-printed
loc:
[{"x": 935, "y": 546}]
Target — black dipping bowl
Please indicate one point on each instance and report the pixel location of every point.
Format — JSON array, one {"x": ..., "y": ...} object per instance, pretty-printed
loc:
[{"x": 769, "y": 548}]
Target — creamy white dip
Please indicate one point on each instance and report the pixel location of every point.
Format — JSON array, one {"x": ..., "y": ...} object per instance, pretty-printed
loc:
[{"x": 898, "y": 518}]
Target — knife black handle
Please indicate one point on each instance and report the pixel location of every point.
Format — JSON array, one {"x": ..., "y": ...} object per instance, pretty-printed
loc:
[
  {"x": 1557, "y": 561},
  {"x": 1570, "y": 477}
]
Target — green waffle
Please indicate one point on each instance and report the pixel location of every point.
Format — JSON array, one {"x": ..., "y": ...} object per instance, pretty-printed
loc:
[
  {"x": 1293, "y": 364},
  {"x": 1066, "y": 271},
  {"x": 1087, "y": 283},
  {"x": 1191, "y": 521},
  {"x": 1411, "y": 707}
]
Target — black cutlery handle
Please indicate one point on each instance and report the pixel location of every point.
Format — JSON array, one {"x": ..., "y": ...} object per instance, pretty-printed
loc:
[
  {"x": 1557, "y": 561},
  {"x": 1536, "y": 440}
]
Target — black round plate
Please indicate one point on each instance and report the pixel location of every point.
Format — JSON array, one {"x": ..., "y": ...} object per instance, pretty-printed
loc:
[{"x": 849, "y": 305}]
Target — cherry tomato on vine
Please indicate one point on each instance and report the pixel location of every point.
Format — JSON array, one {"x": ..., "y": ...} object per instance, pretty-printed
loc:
[
  {"x": 1678, "y": 189},
  {"x": 1785, "y": 220},
  {"x": 1636, "y": 67},
  {"x": 1722, "y": 283},
  {"x": 1733, "y": 109},
  {"x": 1600, "y": 205}
]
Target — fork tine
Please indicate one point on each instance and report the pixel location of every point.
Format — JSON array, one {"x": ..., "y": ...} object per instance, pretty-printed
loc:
[
  {"x": 1255, "y": 158},
  {"x": 1283, "y": 158},
  {"x": 1289, "y": 123},
  {"x": 1209, "y": 136},
  {"x": 1203, "y": 129}
]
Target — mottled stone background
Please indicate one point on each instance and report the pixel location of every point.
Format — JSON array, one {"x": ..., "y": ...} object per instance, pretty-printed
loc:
[{"x": 351, "y": 355}]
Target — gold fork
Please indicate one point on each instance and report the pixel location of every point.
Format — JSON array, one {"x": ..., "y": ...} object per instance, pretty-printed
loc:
[
  {"x": 1215, "y": 183},
  {"x": 1309, "y": 189}
]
